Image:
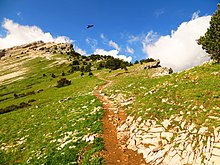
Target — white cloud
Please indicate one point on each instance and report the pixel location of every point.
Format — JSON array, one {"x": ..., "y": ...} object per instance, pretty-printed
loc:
[
  {"x": 180, "y": 49},
  {"x": 113, "y": 53},
  {"x": 103, "y": 36},
  {"x": 138, "y": 39},
  {"x": 92, "y": 42},
  {"x": 159, "y": 12},
  {"x": 104, "y": 39},
  {"x": 18, "y": 13},
  {"x": 21, "y": 34},
  {"x": 108, "y": 42},
  {"x": 195, "y": 15},
  {"x": 80, "y": 51},
  {"x": 150, "y": 38},
  {"x": 129, "y": 50},
  {"x": 114, "y": 45},
  {"x": 132, "y": 39}
]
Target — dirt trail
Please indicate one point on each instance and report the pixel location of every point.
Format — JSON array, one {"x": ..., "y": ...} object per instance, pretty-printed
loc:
[{"x": 114, "y": 153}]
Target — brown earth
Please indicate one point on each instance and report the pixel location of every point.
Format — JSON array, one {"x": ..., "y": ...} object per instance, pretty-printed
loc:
[{"x": 115, "y": 151}]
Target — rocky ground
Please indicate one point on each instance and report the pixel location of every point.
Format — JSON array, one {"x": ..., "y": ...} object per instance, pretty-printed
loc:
[
  {"x": 12, "y": 60},
  {"x": 115, "y": 151},
  {"x": 161, "y": 143},
  {"x": 129, "y": 139},
  {"x": 168, "y": 142}
]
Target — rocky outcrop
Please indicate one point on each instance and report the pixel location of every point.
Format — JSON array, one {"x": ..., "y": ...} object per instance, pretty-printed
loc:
[
  {"x": 156, "y": 69},
  {"x": 39, "y": 47},
  {"x": 12, "y": 59},
  {"x": 174, "y": 140},
  {"x": 149, "y": 65},
  {"x": 164, "y": 144},
  {"x": 160, "y": 71},
  {"x": 57, "y": 48}
]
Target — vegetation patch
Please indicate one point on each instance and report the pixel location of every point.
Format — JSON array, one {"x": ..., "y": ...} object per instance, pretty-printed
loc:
[
  {"x": 192, "y": 93},
  {"x": 63, "y": 82},
  {"x": 49, "y": 125}
]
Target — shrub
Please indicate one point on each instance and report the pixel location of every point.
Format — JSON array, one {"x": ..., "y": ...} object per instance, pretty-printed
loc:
[
  {"x": 75, "y": 62},
  {"x": 15, "y": 95},
  {"x": 116, "y": 63},
  {"x": 53, "y": 75},
  {"x": 82, "y": 69},
  {"x": 136, "y": 62},
  {"x": 147, "y": 60},
  {"x": 63, "y": 82},
  {"x": 14, "y": 107},
  {"x": 88, "y": 68},
  {"x": 170, "y": 71},
  {"x": 75, "y": 68},
  {"x": 23, "y": 94}
]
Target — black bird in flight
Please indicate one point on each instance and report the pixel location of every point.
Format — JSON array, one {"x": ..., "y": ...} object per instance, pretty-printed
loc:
[{"x": 89, "y": 26}]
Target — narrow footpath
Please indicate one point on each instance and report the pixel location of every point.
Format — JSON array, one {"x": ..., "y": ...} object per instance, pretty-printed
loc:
[{"x": 114, "y": 153}]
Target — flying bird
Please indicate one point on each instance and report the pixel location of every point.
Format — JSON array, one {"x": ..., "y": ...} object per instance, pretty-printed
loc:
[{"x": 89, "y": 26}]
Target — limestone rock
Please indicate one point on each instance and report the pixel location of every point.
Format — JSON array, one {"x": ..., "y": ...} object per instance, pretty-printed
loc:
[
  {"x": 132, "y": 145},
  {"x": 24, "y": 53},
  {"x": 165, "y": 143},
  {"x": 150, "y": 65}
]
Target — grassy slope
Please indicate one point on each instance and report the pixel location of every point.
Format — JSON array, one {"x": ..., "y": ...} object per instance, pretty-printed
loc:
[
  {"x": 52, "y": 129},
  {"x": 194, "y": 93}
]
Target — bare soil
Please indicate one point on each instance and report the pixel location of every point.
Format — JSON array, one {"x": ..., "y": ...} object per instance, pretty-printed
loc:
[{"x": 115, "y": 151}]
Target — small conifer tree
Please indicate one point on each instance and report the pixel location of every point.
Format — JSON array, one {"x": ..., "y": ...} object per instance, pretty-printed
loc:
[{"x": 211, "y": 40}]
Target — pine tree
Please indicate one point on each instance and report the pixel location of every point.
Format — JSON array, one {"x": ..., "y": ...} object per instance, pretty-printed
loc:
[{"x": 211, "y": 40}]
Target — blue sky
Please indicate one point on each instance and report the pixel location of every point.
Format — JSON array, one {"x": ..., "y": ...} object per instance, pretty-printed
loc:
[{"x": 120, "y": 25}]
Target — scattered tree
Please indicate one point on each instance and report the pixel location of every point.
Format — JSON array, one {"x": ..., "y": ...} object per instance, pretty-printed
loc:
[
  {"x": 63, "y": 82},
  {"x": 53, "y": 75},
  {"x": 211, "y": 40},
  {"x": 75, "y": 68},
  {"x": 82, "y": 69},
  {"x": 88, "y": 68},
  {"x": 147, "y": 60},
  {"x": 15, "y": 95},
  {"x": 170, "y": 71},
  {"x": 84, "y": 63},
  {"x": 100, "y": 65},
  {"x": 115, "y": 63},
  {"x": 75, "y": 62},
  {"x": 136, "y": 62}
]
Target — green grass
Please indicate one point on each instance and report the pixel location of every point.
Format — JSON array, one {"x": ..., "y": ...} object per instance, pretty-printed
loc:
[
  {"x": 194, "y": 91},
  {"x": 53, "y": 129}
]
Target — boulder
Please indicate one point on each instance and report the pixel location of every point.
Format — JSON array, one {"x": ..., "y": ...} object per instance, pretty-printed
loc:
[{"x": 155, "y": 64}]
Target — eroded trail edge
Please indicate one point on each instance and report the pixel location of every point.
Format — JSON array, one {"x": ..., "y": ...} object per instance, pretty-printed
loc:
[{"x": 115, "y": 151}]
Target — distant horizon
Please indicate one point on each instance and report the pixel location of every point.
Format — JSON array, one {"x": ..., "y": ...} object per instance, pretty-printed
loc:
[{"x": 131, "y": 30}]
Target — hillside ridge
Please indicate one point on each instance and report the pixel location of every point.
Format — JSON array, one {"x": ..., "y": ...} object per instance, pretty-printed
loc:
[{"x": 48, "y": 88}]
